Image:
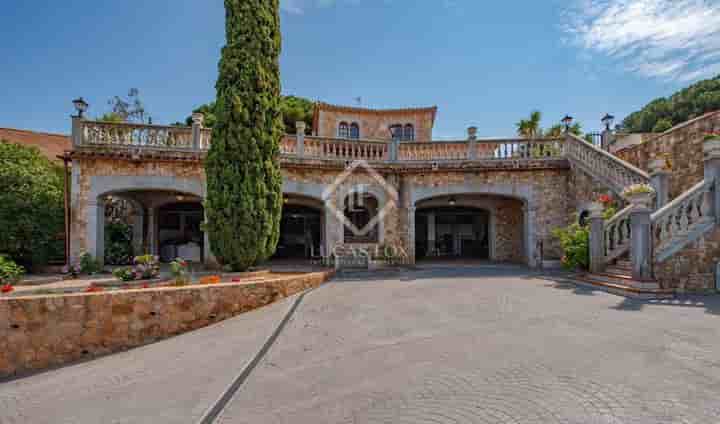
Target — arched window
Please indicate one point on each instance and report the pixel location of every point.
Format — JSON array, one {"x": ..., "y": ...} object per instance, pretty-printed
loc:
[
  {"x": 354, "y": 131},
  {"x": 343, "y": 131},
  {"x": 409, "y": 134},
  {"x": 397, "y": 132}
]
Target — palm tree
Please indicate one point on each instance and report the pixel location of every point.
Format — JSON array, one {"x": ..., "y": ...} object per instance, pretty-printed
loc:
[{"x": 530, "y": 128}]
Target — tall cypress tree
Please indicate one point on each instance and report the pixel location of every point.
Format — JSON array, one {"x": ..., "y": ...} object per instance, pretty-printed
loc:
[{"x": 244, "y": 186}]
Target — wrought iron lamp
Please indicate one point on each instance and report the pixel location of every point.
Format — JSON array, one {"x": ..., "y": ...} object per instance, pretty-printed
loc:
[
  {"x": 80, "y": 106},
  {"x": 567, "y": 121},
  {"x": 608, "y": 121}
]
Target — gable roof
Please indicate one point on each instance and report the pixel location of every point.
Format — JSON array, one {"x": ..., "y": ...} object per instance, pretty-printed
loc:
[{"x": 50, "y": 145}]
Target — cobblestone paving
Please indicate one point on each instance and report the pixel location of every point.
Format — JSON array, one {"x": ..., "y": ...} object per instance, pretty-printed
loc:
[{"x": 487, "y": 345}]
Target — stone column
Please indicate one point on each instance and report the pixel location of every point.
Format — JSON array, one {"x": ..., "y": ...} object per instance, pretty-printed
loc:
[
  {"x": 96, "y": 229},
  {"x": 641, "y": 237},
  {"x": 472, "y": 142},
  {"x": 597, "y": 238},
  {"x": 300, "y": 137},
  {"x": 77, "y": 135},
  {"x": 431, "y": 232},
  {"x": 152, "y": 231},
  {"x": 394, "y": 149},
  {"x": 197, "y": 125},
  {"x": 660, "y": 181},
  {"x": 711, "y": 148},
  {"x": 411, "y": 234},
  {"x": 530, "y": 238},
  {"x": 137, "y": 230}
]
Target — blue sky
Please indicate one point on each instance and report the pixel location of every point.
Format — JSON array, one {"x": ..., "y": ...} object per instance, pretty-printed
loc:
[{"x": 482, "y": 63}]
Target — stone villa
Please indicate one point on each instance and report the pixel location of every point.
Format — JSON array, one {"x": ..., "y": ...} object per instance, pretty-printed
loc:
[{"x": 372, "y": 178}]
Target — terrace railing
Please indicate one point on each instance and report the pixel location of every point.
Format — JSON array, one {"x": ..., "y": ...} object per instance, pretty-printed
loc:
[{"x": 127, "y": 135}]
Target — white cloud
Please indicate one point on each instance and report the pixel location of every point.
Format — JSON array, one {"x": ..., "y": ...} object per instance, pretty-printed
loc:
[
  {"x": 668, "y": 39},
  {"x": 298, "y": 7}
]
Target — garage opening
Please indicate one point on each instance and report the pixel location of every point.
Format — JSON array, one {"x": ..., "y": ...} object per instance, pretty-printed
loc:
[{"x": 452, "y": 232}]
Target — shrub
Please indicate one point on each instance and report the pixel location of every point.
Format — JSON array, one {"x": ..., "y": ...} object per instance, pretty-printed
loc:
[
  {"x": 179, "y": 270},
  {"x": 124, "y": 274},
  {"x": 637, "y": 189},
  {"x": 118, "y": 243},
  {"x": 575, "y": 242},
  {"x": 146, "y": 267},
  {"x": 244, "y": 198},
  {"x": 31, "y": 204},
  {"x": 10, "y": 272},
  {"x": 89, "y": 265}
]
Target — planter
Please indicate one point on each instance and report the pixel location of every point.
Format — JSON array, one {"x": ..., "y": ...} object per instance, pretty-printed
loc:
[{"x": 640, "y": 200}]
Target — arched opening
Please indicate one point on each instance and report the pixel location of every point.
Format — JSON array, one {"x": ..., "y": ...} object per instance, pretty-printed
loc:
[
  {"x": 302, "y": 228},
  {"x": 343, "y": 130},
  {"x": 452, "y": 232},
  {"x": 159, "y": 222},
  {"x": 409, "y": 133},
  {"x": 360, "y": 209},
  {"x": 354, "y": 131}
]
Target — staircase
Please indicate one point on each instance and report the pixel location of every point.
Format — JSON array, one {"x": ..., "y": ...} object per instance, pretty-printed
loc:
[
  {"x": 672, "y": 228},
  {"x": 617, "y": 279}
]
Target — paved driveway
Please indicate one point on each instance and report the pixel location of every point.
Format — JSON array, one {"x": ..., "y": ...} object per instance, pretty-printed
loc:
[{"x": 493, "y": 344}]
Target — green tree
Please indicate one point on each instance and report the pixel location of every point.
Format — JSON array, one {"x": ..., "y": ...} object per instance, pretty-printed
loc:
[
  {"x": 530, "y": 128},
  {"x": 559, "y": 129},
  {"x": 31, "y": 204},
  {"x": 691, "y": 102},
  {"x": 244, "y": 199},
  {"x": 293, "y": 109},
  {"x": 662, "y": 125}
]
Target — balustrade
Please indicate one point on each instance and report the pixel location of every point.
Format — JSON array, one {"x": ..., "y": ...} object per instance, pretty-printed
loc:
[
  {"x": 617, "y": 234},
  {"x": 135, "y": 135},
  {"x": 673, "y": 223},
  {"x": 329, "y": 148}
]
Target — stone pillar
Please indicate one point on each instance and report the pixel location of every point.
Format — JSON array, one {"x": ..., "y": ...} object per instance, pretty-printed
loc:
[
  {"x": 96, "y": 229},
  {"x": 152, "y": 231},
  {"x": 660, "y": 181},
  {"x": 597, "y": 238},
  {"x": 431, "y": 232},
  {"x": 394, "y": 149},
  {"x": 77, "y": 135},
  {"x": 472, "y": 142},
  {"x": 197, "y": 125},
  {"x": 137, "y": 231},
  {"x": 530, "y": 238},
  {"x": 300, "y": 137},
  {"x": 641, "y": 237},
  {"x": 606, "y": 138},
  {"x": 411, "y": 234},
  {"x": 711, "y": 148}
]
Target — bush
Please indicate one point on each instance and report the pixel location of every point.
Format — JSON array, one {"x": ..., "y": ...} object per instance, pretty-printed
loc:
[
  {"x": 31, "y": 204},
  {"x": 124, "y": 274},
  {"x": 146, "y": 267},
  {"x": 179, "y": 270},
  {"x": 89, "y": 265},
  {"x": 118, "y": 243},
  {"x": 575, "y": 242},
  {"x": 10, "y": 272}
]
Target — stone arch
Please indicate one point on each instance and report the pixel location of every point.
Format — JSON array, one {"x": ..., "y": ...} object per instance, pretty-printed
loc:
[
  {"x": 311, "y": 194},
  {"x": 372, "y": 189},
  {"x": 103, "y": 185},
  {"x": 524, "y": 193}
]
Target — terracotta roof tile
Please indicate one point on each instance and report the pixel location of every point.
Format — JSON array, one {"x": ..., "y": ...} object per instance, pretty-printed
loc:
[
  {"x": 51, "y": 145},
  {"x": 339, "y": 108}
]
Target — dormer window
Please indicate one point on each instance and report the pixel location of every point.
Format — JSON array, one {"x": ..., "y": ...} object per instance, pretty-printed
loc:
[
  {"x": 409, "y": 133},
  {"x": 354, "y": 131},
  {"x": 343, "y": 130}
]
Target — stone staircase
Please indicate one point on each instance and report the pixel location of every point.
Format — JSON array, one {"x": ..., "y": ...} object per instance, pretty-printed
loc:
[{"x": 617, "y": 279}]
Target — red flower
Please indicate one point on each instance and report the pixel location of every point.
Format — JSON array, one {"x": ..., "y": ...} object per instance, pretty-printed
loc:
[
  {"x": 146, "y": 286},
  {"x": 605, "y": 199},
  {"x": 93, "y": 289},
  {"x": 7, "y": 288}
]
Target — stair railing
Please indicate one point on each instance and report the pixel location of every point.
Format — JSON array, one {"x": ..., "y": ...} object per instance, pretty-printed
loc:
[{"x": 617, "y": 234}]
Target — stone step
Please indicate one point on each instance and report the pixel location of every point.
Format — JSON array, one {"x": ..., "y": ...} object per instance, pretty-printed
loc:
[
  {"x": 618, "y": 270},
  {"x": 623, "y": 279},
  {"x": 602, "y": 282},
  {"x": 623, "y": 263}
]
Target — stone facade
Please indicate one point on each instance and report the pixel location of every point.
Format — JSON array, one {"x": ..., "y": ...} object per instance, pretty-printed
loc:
[
  {"x": 37, "y": 332},
  {"x": 374, "y": 124}
]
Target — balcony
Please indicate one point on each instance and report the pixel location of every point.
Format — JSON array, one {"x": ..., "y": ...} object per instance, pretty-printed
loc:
[{"x": 139, "y": 140}]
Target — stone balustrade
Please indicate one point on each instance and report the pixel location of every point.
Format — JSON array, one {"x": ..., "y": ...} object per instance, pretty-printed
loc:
[
  {"x": 617, "y": 235},
  {"x": 332, "y": 148},
  {"x": 692, "y": 212},
  {"x": 127, "y": 135}
]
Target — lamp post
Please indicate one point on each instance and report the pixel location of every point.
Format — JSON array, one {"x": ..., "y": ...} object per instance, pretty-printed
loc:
[
  {"x": 608, "y": 121},
  {"x": 80, "y": 106},
  {"x": 567, "y": 121},
  {"x": 452, "y": 201}
]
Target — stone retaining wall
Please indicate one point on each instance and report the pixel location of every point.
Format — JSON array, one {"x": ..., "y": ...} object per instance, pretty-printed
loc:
[{"x": 38, "y": 332}]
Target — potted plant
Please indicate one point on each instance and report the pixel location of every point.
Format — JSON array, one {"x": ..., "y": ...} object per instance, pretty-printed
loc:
[
  {"x": 639, "y": 194},
  {"x": 10, "y": 274},
  {"x": 179, "y": 270}
]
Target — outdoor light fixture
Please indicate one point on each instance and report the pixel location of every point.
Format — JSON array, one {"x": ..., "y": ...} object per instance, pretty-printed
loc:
[
  {"x": 180, "y": 198},
  {"x": 452, "y": 201},
  {"x": 81, "y": 106},
  {"x": 567, "y": 121},
  {"x": 608, "y": 121}
]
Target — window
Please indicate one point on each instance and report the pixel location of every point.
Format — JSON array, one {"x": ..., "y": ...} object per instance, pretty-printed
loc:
[
  {"x": 409, "y": 134},
  {"x": 354, "y": 131},
  {"x": 397, "y": 132},
  {"x": 343, "y": 131}
]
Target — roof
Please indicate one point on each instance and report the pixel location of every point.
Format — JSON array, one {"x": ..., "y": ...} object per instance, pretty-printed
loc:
[
  {"x": 50, "y": 145},
  {"x": 355, "y": 109}
]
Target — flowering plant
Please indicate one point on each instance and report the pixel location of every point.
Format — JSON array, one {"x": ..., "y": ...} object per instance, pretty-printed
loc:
[
  {"x": 93, "y": 289},
  {"x": 179, "y": 270},
  {"x": 6, "y": 288},
  {"x": 711, "y": 136},
  {"x": 124, "y": 274},
  {"x": 146, "y": 267},
  {"x": 605, "y": 199},
  {"x": 10, "y": 272},
  {"x": 637, "y": 189},
  {"x": 210, "y": 279}
]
